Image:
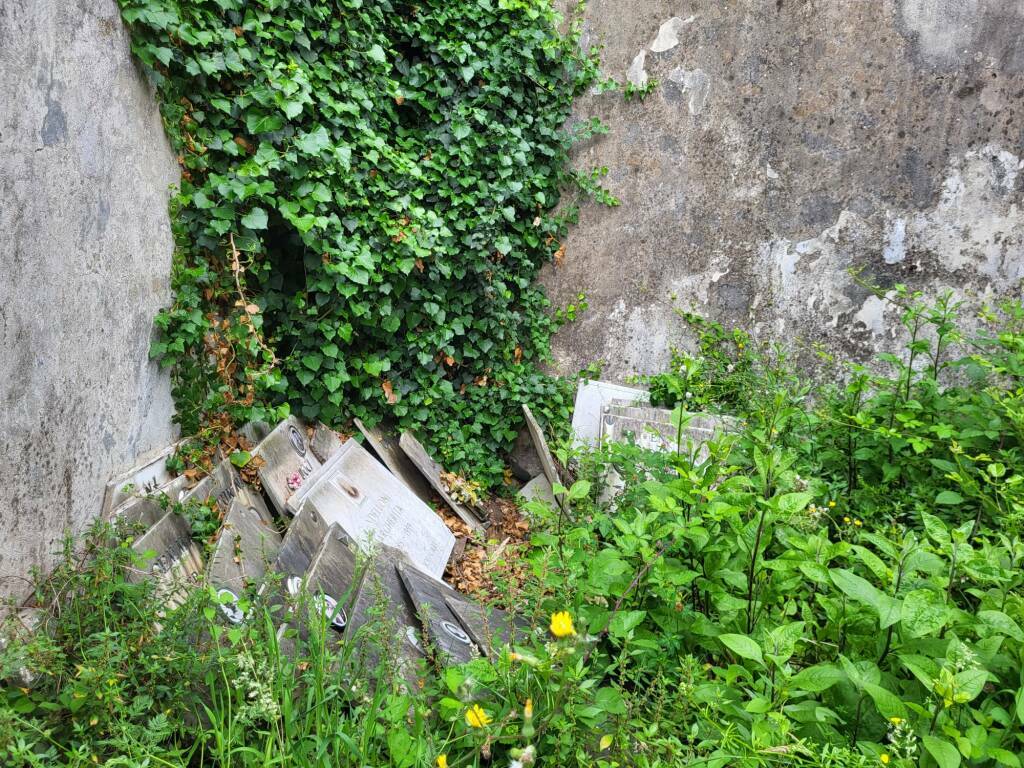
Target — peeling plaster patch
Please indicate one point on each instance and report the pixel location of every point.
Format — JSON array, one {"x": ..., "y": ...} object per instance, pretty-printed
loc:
[
  {"x": 872, "y": 315},
  {"x": 770, "y": 172},
  {"x": 668, "y": 34},
  {"x": 636, "y": 74},
  {"x": 895, "y": 248},
  {"x": 644, "y": 333},
  {"x": 696, "y": 83},
  {"x": 943, "y": 30}
]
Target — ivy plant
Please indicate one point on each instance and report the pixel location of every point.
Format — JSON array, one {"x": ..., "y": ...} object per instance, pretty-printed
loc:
[{"x": 368, "y": 192}]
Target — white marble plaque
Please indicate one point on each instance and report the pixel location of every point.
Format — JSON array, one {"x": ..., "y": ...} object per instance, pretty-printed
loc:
[
  {"x": 142, "y": 480},
  {"x": 591, "y": 399},
  {"x": 373, "y": 507},
  {"x": 655, "y": 428},
  {"x": 288, "y": 460}
]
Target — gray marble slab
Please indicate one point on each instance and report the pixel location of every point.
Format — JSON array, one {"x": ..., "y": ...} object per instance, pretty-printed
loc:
[
  {"x": 539, "y": 489},
  {"x": 490, "y": 628},
  {"x": 333, "y": 578},
  {"x": 142, "y": 480},
  {"x": 325, "y": 442},
  {"x": 385, "y": 446},
  {"x": 445, "y": 633},
  {"x": 288, "y": 460},
  {"x": 654, "y": 428},
  {"x": 547, "y": 461},
  {"x": 432, "y": 471},
  {"x": 373, "y": 507},
  {"x": 301, "y": 541},
  {"x": 246, "y": 547},
  {"x": 167, "y": 553}
]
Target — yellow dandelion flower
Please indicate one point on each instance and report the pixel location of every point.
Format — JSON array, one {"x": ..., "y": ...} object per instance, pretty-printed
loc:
[
  {"x": 831, "y": 505},
  {"x": 561, "y": 624},
  {"x": 442, "y": 761},
  {"x": 476, "y": 717},
  {"x": 858, "y": 523},
  {"x": 885, "y": 759},
  {"x": 847, "y": 520}
]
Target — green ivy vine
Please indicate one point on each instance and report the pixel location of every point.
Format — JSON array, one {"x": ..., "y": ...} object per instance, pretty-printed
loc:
[{"x": 368, "y": 192}]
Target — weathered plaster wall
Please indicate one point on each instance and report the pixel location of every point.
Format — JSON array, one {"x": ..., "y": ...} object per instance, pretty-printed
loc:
[
  {"x": 785, "y": 142},
  {"x": 85, "y": 249}
]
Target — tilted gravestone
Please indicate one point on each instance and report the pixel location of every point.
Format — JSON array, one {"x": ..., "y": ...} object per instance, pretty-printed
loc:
[
  {"x": 301, "y": 541},
  {"x": 444, "y": 631},
  {"x": 660, "y": 429},
  {"x": 139, "y": 513},
  {"x": 143, "y": 480},
  {"x": 373, "y": 507},
  {"x": 490, "y": 628},
  {"x": 382, "y": 595},
  {"x": 325, "y": 442},
  {"x": 385, "y": 446},
  {"x": 539, "y": 489},
  {"x": 167, "y": 554},
  {"x": 333, "y": 579},
  {"x": 288, "y": 459},
  {"x": 547, "y": 461},
  {"x": 246, "y": 547},
  {"x": 223, "y": 484},
  {"x": 591, "y": 399},
  {"x": 432, "y": 471}
]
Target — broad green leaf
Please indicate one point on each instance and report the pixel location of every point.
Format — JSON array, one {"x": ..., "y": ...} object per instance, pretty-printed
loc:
[
  {"x": 863, "y": 591},
  {"x": 924, "y": 612},
  {"x": 743, "y": 646},
  {"x": 949, "y": 497},
  {"x": 945, "y": 754},
  {"x": 1000, "y": 622},
  {"x": 968, "y": 684},
  {"x": 240, "y": 458},
  {"x": 314, "y": 142},
  {"x": 818, "y": 678},
  {"x": 887, "y": 703},
  {"x": 624, "y": 622}
]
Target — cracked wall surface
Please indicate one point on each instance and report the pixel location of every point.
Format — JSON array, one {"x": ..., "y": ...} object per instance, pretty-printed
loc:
[
  {"x": 85, "y": 251},
  {"x": 782, "y": 143}
]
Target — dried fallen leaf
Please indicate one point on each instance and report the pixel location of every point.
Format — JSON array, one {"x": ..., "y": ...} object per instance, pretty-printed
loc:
[
  {"x": 252, "y": 309},
  {"x": 399, "y": 99},
  {"x": 389, "y": 392}
]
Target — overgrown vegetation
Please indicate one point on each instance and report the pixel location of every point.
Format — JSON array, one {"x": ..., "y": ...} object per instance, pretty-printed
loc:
[
  {"x": 368, "y": 193},
  {"x": 835, "y": 582}
]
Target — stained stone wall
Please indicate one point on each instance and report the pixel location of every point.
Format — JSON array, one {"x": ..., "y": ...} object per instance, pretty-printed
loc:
[
  {"x": 783, "y": 142},
  {"x": 85, "y": 248}
]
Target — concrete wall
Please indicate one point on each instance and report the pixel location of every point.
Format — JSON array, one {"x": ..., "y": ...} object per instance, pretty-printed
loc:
[
  {"x": 85, "y": 249},
  {"x": 786, "y": 141}
]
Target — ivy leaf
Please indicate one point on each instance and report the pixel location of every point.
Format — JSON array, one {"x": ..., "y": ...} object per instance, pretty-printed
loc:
[
  {"x": 376, "y": 53},
  {"x": 255, "y": 219},
  {"x": 260, "y": 123},
  {"x": 314, "y": 142},
  {"x": 467, "y": 73},
  {"x": 240, "y": 458}
]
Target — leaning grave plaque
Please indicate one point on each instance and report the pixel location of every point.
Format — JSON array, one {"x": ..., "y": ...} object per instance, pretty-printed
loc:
[
  {"x": 432, "y": 471},
  {"x": 301, "y": 541},
  {"x": 245, "y": 548},
  {"x": 141, "y": 480},
  {"x": 485, "y": 624},
  {"x": 224, "y": 484},
  {"x": 382, "y": 586},
  {"x": 288, "y": 460},
  {"x": 168, "y": 554},
  {"x": 655, "y": 429},
  {"x": 591, "y": 399},
  {"x": 445, "y": 632},
  {"x": 539, "y": 489},
  {"x": 332, "y": 579},
  {"x": 373, "y": 507},
  {"x": 547, "y": 461},
  {"x": 324, "y": 442},
  {"x": 387, "y": 449}
]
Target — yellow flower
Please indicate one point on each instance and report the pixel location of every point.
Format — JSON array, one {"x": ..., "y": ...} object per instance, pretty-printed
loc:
[
  {"x": 442, "y": 761},
  {"x": 895, "y": 720},
  {"x": 831, "y": 505},
  {"x": 528, "y": 709},
  {"x": 847, "y": 520},
  {"x": 885, "y": 759},
  {"x": 561, "y": 624},
  {"x": 858, "y": 523},
  {"x": 476, "y": 717}
]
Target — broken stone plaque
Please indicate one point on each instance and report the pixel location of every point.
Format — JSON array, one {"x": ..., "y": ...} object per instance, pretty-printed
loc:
[
  {"x": 332, "y": 579},
  {"x": 139, "y": 513},
  {"x": 382, "y": 594},
  {"x": 222, "y": 484},
  {"x": 446, "y": 635},
  {"x": 373, "y": 507},
  {"x": 387, "y": 449},
  {"x": 301, "y": 541},
  {"x": 547, "y": 461},
  {"x": 431, "y": 470},
  {"x": 325, "y": 441},
  {"x": 168, "y": 554},
  {"x": 288, "y": 460},
  {"x": 255, "y": 431},
  {"x": 16, "y": 630},
  {"x": 144, "y": 480},
  {"x": 245, "y": 548},
  {"x": 490, "y": 628},
  {"x": 654, "y": 429},
  {"x": 591, "y": 399},
  {"x": 539, "y": 489}
]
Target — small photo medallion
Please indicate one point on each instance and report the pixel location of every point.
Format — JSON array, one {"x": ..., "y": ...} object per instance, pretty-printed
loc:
[
  {"x": 329, "y": 607},
  {"x": 298, "y": 441},
  {"x": 229, "y": 606},
  {"x": 456, "y": 632}
]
